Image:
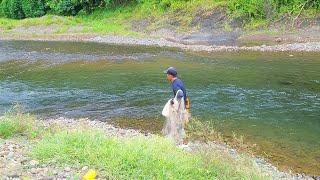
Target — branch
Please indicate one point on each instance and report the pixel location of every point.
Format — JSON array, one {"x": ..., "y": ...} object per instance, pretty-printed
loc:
[{"x": 294, "y": 20}]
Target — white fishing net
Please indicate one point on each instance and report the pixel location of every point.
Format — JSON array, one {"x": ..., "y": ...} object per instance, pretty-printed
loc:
[{"x": 176, "y": 116}]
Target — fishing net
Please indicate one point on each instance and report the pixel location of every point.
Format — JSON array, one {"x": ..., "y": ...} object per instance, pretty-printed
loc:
[{"x": 176, "y": 115}]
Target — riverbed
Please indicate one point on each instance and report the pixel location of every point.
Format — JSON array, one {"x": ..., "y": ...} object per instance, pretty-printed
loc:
[{"x": 270, "y": 98}]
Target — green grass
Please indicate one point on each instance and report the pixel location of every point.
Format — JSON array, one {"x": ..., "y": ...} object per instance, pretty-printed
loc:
[
  {"x": 124, "y": 158},
  {"x": 206, "y": 132},
  {"x": 202, "y": 131},
  {"x": 8, "y": 24},
  {"x": 102, "y": 22},
  {"x": 139, "y": 158},
  {"x": 108, "y": 21},
  {"x": 17, "y": 124}
]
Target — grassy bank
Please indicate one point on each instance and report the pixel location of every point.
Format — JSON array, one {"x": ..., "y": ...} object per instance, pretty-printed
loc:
[
  {"x": 138, "y": 158},
  {"x": 125, "y": 158},
  {"x": 134, "y": 19}
]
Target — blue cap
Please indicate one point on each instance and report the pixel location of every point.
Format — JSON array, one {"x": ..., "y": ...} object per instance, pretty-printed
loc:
[{"x": 172, "y": 71}]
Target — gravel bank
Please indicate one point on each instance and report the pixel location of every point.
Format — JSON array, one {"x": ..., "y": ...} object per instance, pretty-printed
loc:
[
  {"x": 15, "y": 163},
  {"x": 167, "y": 42},
  {"x": 294, "y": 47}
]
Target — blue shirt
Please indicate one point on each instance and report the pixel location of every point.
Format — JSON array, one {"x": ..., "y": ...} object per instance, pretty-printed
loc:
[{"x": 176, "y": 85}]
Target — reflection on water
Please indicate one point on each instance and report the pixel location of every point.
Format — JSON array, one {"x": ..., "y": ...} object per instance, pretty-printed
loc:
[{"x": 273, "y": 99}]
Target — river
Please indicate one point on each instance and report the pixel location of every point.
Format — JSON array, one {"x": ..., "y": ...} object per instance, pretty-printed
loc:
[{"x": 273, "y": 99}]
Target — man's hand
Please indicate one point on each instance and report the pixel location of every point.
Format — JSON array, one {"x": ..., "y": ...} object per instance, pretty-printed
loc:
[{"x": 171, "y": 102}]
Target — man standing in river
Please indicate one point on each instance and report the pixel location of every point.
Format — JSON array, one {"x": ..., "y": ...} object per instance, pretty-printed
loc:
[
  {"x": 176, "y": 110},
  {"x": 176, "y": 84}
]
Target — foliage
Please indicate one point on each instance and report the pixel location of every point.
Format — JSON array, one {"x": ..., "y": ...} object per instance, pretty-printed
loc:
[
  {"x": 65, "y": 7},
  {"x": 264, "y": 9},
  {"x": 19, "y": 9},
  {"x": 34, "y": 8},
  {"x": 137, "y": 158},
  {"x": 1, "y": 9},
  {"x": 12, "y": 9},
  {"x": 73, "y": 7}
]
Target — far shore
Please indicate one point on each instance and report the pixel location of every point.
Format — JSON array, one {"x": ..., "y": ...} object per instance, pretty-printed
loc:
[{"x": 163, "y": 42}]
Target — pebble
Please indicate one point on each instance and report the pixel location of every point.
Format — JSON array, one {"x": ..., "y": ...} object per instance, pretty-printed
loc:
[
  {"x": 14, "y": 175},
  {"x": 45, "y": 169},
  {"x": 67, "y": 169},
  {"x": 11, "y": 147},
  {"x": 3, "y": 153},
  {"x": 84, "y": 168},
  {"x": 278, "y": 40},
  {"x": 54, "y": 172},
  {"x": 33, "y": 163},
  {"x": 34, "y": 171},
  {"x": 10, "y": 155}
]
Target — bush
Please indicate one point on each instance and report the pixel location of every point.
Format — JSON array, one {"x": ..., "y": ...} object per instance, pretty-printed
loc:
[
  {"x": 66, "y": 7},
  {"x": 72, "y": 7},
  {"x": 1, "y": 10},
  {"x": 12, "y": 9},
  {"x": 19, "y": 9},
  {"x": 34, "y": 8},
  {"x": 263, "y": 9}
]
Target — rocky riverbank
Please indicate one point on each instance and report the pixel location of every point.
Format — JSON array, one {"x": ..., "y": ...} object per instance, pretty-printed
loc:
[
  {"x": 15, "y": 163},
  {"x": 171, "y": 42},
  {"x": 293, "y": 47}
]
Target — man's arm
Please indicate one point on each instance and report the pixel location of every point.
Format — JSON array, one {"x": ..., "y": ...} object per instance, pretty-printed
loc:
[{"x": 179, "y": 94}]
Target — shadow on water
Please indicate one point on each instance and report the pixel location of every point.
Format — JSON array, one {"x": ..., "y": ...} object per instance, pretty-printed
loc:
[{"x": 272, "y": 99}]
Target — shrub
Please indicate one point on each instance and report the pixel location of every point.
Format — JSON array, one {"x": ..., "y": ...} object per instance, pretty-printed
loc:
[
  {"x": 12, "y": 9},
  {"x": 34, "y": 8},
  {"x": 67, "y": 7},
  {"x": 1, "y": 10},
  {"x": 73, "y": 7},
  {"x": 262, "y": 9}
]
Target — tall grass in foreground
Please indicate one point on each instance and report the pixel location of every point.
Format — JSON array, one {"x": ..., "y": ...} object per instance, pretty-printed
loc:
[
  {"x": 206, "y": 132},
  {"x": 138, "y": 158},
  {"x": 16, "y": 123}
]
